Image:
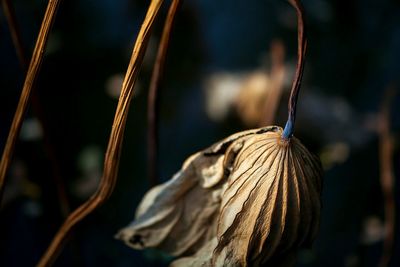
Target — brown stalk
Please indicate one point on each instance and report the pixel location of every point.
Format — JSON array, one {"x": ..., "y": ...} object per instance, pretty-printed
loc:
[
  {"x": 114, "y": 147},
  {"x": 386, "y": 144},
  {"x": 9, "y": 13},
  {"x": 301, "y": 53},
  {"x": 277, "y": 76},
  {"x": 30, "y": 79},
  {"x": 152, "y": 103}
]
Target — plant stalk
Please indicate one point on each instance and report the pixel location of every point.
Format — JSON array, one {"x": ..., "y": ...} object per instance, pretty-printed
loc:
[
  {"x": 30, "y": 79},
  {"x": 113, "y": 153},
  {"x": 153, "y": 97},
  {"x": 301, "y": 52}
]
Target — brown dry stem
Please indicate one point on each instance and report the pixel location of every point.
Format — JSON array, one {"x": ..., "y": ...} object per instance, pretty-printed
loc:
[
  {"x": 113, "y": 152},
  {"x": 301, "y": 53},
  {"x": 30, "y": 79},
  {"x": 49, "y": 148},
  {"x": 386, "y": 144},
  {"x": 152, "y": 104},
  {"x": 9, "y": 13}
]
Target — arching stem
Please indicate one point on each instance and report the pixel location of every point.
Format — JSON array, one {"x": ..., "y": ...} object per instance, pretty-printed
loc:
[
  {"x": 301, "y": 51},
  {"x": 113, "y": 153},
  {"x": 152, "y": 104}
]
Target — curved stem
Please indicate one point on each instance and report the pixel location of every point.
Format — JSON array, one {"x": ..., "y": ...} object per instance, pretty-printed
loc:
[
  {"x": 301, "y": 51},
  {"x": 114, "y": 147},
  {"x": 152, "y": 105}
]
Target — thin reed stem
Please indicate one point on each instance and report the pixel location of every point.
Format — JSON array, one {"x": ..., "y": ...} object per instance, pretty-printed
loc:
[
  {"x": 387, "y": 177},
  {"x": 153, "y": 97},
  {"x": 112, "y": 157},
  {"x": 9, "y": 13},
  {"x": 30, "y": 79},
  {"x": 301, "y": 52}
]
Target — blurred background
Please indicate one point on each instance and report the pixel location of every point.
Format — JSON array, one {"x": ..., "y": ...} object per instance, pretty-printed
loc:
[{"x": 229, "y": 63}]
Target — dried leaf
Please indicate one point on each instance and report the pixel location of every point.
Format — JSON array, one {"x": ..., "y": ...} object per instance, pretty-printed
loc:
[
  {"x": 272, "y": 201},
  {"x": 180, "y": 215},
  {"x": 202, "y": 258},
  {"x": 250, "y": 199},
  {"x": 177, "y": 216}
]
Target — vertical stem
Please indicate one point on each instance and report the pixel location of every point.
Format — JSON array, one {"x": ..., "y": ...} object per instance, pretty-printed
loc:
[
  {"x": 386, "y": 144},
  {"x": 30, "y": 79},
  {"x": 9, "y": 13},
  {"x": 152, "y": 104},
  {"x": 301, "y": 52},
  {"x": 113, "y": 153}
]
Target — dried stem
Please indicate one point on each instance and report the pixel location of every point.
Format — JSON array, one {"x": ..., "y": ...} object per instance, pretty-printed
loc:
[
  {"x": 37, "y": 108},
  {"x": 113, "y": 152},
  {"x": 152, "y": 104},
  {"x": 30, "y": 79},
  {"x": 277, "y": 76},
  {"x": 301, "y": 52},
  {"x": 9, "y": 13},
  {"x": 386, "y": 144}
]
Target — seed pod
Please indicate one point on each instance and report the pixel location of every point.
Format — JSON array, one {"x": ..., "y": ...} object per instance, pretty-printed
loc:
[{"x": 251, "y": 199}]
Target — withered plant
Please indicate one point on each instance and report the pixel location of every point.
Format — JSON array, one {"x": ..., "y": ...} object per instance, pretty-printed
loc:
[
  {"x": 251, "y": 199},
  {"x": 113, "y": 152}
]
